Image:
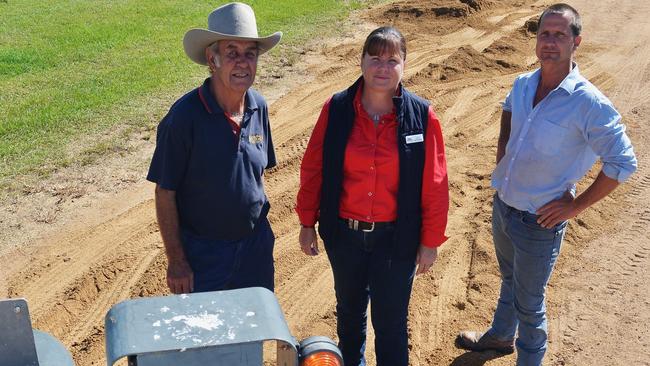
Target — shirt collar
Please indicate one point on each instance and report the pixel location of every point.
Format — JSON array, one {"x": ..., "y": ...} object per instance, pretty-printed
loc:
[
  {"x": 210, "y": 102},
  {"x": 568, "y": 84},
  {"x": 571, "y": 80}
]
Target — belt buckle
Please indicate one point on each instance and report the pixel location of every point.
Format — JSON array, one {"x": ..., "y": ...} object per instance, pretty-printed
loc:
[{"x": 372, "y": 228}]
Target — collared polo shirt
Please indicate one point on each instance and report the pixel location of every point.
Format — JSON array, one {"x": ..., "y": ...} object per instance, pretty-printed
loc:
[
  {"x": 217, "y": 175},
  {"x": 554, "y": 144}
]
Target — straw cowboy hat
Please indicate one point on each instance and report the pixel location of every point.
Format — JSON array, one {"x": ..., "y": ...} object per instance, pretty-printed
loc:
[{"x": 234, "y": 21}]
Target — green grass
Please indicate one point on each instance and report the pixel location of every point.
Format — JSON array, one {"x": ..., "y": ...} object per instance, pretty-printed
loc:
[{"x": 70, "y": 69}]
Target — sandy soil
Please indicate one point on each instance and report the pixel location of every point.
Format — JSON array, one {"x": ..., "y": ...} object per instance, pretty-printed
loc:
[{"x": 83, "y": 240}]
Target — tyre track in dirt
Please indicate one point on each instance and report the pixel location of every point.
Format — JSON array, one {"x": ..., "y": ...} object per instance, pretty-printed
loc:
[
  {"x": 60, "y": 264},
  {"x": 118, "y": 291},
  {"x": 618, "y": 275},
  {"x": 70, "y": 300}
]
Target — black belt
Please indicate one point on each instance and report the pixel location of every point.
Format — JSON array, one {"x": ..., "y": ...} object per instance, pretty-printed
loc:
[{"x": 367, "y": 227}]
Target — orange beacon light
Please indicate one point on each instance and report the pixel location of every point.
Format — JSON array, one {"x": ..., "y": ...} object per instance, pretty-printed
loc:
[{"x": 319, "y": 351}]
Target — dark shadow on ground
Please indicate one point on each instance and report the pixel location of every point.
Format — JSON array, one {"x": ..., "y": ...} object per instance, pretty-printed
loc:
[
  {"x": 472, "y": 358},
  {"x": 475, "y": 358}
]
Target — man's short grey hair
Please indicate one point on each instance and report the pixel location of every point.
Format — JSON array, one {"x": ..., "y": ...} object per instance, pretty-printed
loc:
[{"x": 561, "y": 8}]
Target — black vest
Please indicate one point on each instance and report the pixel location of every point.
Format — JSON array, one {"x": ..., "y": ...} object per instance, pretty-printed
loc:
[{"x": 412, "y": 116}]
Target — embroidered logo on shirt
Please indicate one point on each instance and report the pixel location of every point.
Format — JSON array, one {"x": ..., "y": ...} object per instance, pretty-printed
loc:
[
  {"x": 255, "y": 139},
  {"x": 411, "y": 139}
]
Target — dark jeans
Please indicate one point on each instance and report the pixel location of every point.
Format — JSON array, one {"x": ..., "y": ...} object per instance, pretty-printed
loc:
[
  {"x": 364, "y": 268},
  {"x": 232, "y": 264}
]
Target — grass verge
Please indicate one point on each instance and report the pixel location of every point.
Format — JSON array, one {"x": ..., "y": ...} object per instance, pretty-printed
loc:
[{"x": 74, "y": 69}]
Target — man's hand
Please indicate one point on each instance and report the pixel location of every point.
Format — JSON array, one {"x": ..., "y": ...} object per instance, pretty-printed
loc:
[
  {"x": 559, "y": 210},
  {"x": 308, "y": 240},
  {"x": 425, "y": 258},
  {"x": 567, "y": 207},
  {"x": 180, "y": 277}
]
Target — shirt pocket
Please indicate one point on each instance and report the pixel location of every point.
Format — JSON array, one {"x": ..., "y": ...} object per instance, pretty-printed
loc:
[{"x": 549, "y": 137}]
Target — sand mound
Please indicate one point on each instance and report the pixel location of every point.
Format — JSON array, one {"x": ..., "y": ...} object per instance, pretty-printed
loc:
[
  {"x": 531, "y": 25},
  {"x": 454, "y": 9},
  {"x": 434, "y": 17},
  {"x": 516, "y": 48},
  {"x": 466, "y": 60}
]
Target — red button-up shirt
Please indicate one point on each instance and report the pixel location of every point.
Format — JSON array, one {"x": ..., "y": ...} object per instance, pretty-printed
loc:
[{"x": 371, "y": 174}]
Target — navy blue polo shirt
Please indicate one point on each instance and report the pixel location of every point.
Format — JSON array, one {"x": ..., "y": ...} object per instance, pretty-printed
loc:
[{"x": 217, "y": 176}]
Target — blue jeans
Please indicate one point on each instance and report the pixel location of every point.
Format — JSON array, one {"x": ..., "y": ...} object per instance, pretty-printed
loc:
[
  {"x": 526, "y": 253},
  {"x": 231, "y": 264},
  {"x": 364, "y": 268}
]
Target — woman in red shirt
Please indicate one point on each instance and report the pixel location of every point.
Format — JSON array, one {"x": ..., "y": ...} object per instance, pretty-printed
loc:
[{"x": 374, "y": 176}]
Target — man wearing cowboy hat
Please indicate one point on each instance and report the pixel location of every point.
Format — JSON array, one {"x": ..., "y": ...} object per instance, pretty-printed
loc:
[{"x": 211, "y": 151}]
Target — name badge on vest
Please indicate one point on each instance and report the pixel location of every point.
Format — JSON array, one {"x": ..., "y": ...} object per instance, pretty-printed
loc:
[{"x": 411, "y": 139}]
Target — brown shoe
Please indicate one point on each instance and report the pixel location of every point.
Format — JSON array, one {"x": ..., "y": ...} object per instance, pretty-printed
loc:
[{"x": 477, "y": 341}]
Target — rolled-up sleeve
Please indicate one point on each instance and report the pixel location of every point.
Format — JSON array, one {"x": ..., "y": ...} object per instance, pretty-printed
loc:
[{"x": 606, "y": 136}]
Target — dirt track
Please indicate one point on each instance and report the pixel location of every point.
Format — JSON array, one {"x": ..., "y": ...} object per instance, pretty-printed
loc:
[{"x": 77, "y": 244}]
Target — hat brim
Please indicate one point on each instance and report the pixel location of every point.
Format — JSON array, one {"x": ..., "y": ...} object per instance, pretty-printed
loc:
[{"x": 196, "y": 40}]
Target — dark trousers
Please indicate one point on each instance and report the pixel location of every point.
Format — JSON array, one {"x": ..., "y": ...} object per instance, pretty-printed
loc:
[
  {"x": 232, "y": 264},
  {"x": 364, "y": 269}
]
